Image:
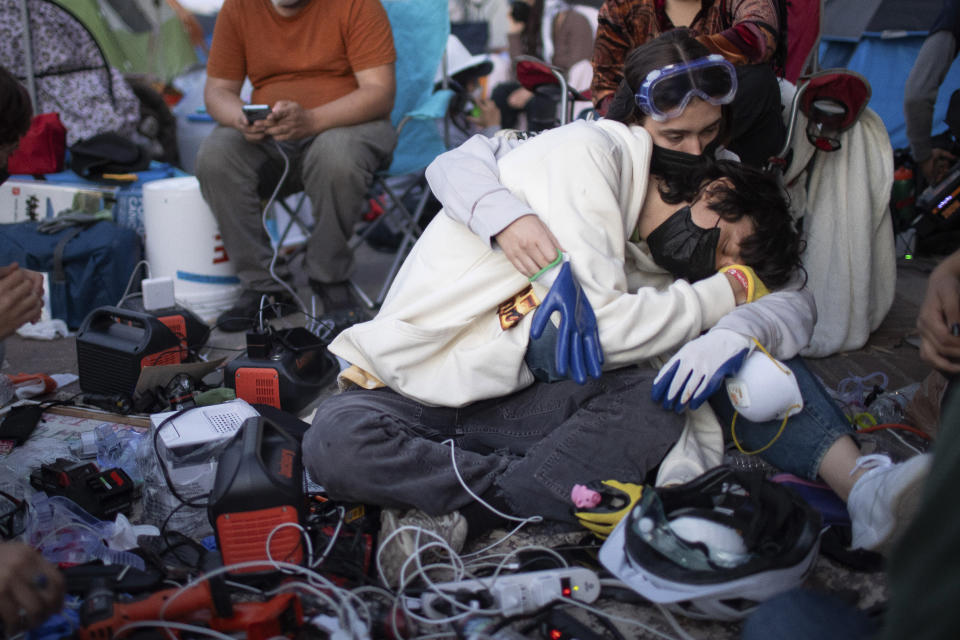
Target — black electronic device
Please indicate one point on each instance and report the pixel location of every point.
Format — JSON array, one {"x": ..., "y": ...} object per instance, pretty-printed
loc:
[
  {"x": 285, "y": 369},
  {"x": 186, "y": 325},
  {"x": 256, "y": 112},
  {"x": 20, "y": 422},
  {"x": 257, "y": 492},
  {"x": 102, "y": 494},
  {"x": 114, "y": 344},
  {"x": 942, "y": 199}
]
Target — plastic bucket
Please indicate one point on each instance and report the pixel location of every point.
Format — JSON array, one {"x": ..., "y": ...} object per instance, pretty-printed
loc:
[{"x": 183, "y": 242}]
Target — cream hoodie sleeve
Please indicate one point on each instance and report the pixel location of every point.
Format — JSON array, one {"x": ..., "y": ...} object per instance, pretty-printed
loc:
[{"x": 587, "y": 182}]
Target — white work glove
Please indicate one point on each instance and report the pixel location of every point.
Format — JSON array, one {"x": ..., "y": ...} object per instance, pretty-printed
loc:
[{"x": 695, "y": 372}]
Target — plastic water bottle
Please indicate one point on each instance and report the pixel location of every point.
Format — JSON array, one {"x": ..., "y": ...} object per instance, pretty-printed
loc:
[
  {"x": 119, "y": 449},
  {"x": 890, "y": 407}
]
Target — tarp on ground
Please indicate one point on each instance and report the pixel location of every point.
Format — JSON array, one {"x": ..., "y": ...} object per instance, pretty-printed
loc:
[{"x": 881, "y": 39}]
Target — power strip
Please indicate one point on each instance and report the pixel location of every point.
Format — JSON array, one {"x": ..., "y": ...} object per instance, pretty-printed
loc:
[{"x": 517, "y": 593}]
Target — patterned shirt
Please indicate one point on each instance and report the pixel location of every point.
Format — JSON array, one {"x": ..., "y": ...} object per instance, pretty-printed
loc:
[{"x": 742, "y": 31}]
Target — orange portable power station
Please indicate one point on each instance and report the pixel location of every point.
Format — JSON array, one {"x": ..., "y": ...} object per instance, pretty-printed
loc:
[{"x": 257, "y": 493}]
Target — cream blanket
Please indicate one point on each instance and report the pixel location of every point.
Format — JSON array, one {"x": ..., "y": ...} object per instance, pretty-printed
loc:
[{"x": 843, "y": 198}]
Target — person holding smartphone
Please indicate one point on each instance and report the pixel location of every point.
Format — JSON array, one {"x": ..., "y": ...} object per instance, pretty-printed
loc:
[{"x": 322, "y": 102}]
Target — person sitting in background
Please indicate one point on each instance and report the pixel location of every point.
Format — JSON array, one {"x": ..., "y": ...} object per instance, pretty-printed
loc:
[
  {"x": 326, "y": 70},
  {"x": 750, "y": 34},
  {"x": 21, "y": 290},
  {"x": 559, "y": 32},
  {"x": 938, "y": 52},
  {"x": 471, "y": 111}
]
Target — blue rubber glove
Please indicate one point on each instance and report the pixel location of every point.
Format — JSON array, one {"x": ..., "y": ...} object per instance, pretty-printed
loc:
[
  {"x": 695, "y": 372},
  {"x": 578, "y": 342}
]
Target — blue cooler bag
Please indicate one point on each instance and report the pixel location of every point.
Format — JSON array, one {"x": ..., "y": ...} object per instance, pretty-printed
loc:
[{"x": 89, "y": 265}]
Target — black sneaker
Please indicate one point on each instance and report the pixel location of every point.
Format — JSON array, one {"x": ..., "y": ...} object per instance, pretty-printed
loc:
[
  {"x": 244, "y": 314},
  {"x": 341, "y": 307},
  {"x": 340, "y": 319}
]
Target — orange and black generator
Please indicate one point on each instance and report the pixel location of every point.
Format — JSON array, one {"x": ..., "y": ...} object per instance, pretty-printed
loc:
[
  {"x": 257, "y": 497},
  {"x": 114, "y": 344},
  {"x": 286, "y": 369}
]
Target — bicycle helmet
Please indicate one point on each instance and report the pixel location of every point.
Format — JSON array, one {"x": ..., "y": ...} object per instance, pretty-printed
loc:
[{"x": 715, "y": 547}]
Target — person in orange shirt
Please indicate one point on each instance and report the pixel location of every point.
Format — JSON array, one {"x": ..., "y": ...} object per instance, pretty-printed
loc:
[{"x": 326, "y": 71}]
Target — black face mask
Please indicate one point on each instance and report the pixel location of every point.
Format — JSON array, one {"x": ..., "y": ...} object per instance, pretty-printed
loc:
[
  {"x": 670, "y": 162},
  {"x": 684, "y": 249}
]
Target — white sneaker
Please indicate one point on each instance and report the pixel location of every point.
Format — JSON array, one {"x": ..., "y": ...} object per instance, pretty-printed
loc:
[
  {"x": 415, "y": 533},
  {"x": 884, "y": 500}
]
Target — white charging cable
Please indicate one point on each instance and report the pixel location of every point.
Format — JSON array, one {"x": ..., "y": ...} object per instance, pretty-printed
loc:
[{"x": 266, "y": 228}]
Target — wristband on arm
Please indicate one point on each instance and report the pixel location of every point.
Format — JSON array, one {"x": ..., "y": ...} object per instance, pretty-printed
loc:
[{"x": 749, "y": 279}]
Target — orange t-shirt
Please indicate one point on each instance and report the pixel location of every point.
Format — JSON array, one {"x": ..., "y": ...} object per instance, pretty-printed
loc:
[{"x": 309, "y": 58}]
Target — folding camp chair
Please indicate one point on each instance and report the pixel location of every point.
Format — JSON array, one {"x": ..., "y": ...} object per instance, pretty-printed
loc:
[
  {"x": 831, "y": 100},
  {"x": 420, "y": 29},
  {"x": 536, "y": 75},
  {"x": 837, "y": 166}
]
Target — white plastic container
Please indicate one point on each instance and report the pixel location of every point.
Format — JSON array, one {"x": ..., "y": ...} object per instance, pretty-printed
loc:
[{"x": 183, "y": 242}]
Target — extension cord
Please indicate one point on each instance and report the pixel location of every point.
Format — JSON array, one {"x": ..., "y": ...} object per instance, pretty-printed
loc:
[{"x": 518, "y": 593}]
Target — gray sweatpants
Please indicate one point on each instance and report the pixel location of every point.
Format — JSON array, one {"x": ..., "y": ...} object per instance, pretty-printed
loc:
[
  {"x": 334, "y": 168},
  {"x": 532, "y": 446}
]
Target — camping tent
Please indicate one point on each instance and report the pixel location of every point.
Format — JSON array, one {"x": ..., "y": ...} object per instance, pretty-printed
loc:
[
  {"x": 72, "y": 54},
  {"x": 137, "y": 36},
  {"x": 881, "y": 39}
]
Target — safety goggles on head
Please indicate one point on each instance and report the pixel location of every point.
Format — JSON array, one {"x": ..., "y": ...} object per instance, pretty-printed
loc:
[{"x": 666, "y": 92}]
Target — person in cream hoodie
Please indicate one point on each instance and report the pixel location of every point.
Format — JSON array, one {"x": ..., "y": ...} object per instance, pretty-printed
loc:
[
  {"x": 448, "y": 399},
  {"x": 447, "y": 355}
]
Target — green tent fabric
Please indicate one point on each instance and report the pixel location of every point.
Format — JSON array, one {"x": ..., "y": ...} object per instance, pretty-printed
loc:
[{"x": 137, "y": 36}]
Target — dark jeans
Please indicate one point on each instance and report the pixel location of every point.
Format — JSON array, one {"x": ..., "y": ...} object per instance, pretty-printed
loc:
[
  {"x": 528, "y": 449},
  {"x": 807, "y": 436},
  {"x": 801, "y": 614},
  {"x": 334, "y": 168}
]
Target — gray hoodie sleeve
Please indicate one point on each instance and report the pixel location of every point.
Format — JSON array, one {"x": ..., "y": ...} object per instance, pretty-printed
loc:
[
  {"x": 466, "y": 181},
  {"x": 781, "y": 321},
  {"x": 920, "y": 93}
]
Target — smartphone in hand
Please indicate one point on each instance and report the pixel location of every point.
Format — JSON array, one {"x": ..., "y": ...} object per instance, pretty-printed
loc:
[{"x": 256, "y": 112}]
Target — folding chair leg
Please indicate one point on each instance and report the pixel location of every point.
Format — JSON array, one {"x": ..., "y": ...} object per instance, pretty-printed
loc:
[
  {"x": 357, "y": 289},
  {"x": 410, "y": 235},
  {"x": 410, "y": 231}
]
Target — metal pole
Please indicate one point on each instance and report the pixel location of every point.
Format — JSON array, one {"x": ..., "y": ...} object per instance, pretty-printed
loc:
[{"x": 28, "y": 54}]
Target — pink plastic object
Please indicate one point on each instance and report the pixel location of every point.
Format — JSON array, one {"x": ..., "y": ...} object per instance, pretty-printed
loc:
[{"x": 584, "y": 498}]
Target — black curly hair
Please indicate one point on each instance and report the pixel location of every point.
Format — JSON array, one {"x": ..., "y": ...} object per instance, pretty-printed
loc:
[
  {"x": 773, "y": 250},
  {"x": 15, "y": 107}
]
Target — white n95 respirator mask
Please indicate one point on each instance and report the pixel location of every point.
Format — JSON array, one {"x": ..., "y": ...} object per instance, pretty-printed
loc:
[{"x": 764, "y": 389}]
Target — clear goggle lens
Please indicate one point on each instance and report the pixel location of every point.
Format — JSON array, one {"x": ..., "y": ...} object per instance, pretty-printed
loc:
[
  {"x": 666, "y": 92},
  {"x": 650, "y": 523}
]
